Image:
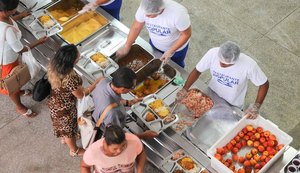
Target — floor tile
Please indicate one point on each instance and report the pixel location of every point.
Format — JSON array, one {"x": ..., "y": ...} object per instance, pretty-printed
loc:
[
  {"x": 259, "y": 14},
  {"x": 287, "y": 33}
]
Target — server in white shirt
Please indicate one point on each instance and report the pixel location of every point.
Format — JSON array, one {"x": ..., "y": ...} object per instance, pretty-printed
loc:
[
  {"x": 230, "y": 71},
  {"x": 169, "y": 27},
  {"x": 112, "y": 7}
]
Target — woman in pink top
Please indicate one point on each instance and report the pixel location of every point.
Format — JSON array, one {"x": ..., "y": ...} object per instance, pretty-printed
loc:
[{"x": 117, "y": 152}]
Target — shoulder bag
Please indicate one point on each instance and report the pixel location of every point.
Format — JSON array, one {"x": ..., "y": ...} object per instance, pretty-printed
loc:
[
  {"x": 90, "y": 131},
  {"x": 18, "y": 76},
  {"x": 41, "y": 89}
]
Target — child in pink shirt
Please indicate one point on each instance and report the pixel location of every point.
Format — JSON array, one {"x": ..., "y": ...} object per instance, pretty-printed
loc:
[{"x": 117, "y": 152}]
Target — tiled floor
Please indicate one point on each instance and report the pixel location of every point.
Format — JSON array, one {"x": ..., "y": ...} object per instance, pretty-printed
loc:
[{"x": 268, "y": 31}]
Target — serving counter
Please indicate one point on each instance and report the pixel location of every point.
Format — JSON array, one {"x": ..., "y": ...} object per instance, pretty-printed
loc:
[{"x": 195, "y": 140}]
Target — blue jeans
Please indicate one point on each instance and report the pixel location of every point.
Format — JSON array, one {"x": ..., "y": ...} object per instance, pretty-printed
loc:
[
  {"x": 113, "y": 8},
  {"x": 178, "y": 57}
]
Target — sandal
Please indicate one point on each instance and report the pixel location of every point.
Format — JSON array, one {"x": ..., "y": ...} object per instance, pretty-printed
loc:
[
  {"x": 26, "y": 92},
  {"x": 78, "y": 153},
  {"x": 29, "y": 113}
]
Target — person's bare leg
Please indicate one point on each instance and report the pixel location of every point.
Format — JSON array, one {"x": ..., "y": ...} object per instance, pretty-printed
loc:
[
  {"x": 15, "y": 97},
  {"x": 71, "y": 142}
]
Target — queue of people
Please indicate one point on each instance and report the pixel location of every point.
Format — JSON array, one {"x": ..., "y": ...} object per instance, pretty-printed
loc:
[{"x": 170, "y": 30}]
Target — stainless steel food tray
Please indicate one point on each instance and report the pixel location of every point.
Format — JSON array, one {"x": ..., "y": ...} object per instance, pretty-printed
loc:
[
  {"x": 78, "y": 20},
  {"x": 136, "y": 58},
  {"x": 149, "y": 69},
  {"x": 141, "y": 109},
  {"x": 33, "y": 24},
  {"x": 40, "y": 3},
  {"x": 65, "y": 8},
  {"x": 170, "y": 165},
  {"x": 109, "y": 69}
]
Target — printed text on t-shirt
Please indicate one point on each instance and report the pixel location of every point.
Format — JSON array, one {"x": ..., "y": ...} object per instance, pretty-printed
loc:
[
  {"x": 158, "y": 30},
  {"x": 225, "y": 80}
]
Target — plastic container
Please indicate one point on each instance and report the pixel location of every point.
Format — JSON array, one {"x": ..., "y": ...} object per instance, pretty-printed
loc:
[{"x": 282, "y": 138}]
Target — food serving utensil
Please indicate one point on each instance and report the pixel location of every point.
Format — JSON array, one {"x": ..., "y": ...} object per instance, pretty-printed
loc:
[
  {"x": 161, "y": 69},
  {"x": 30, "y": 8}
]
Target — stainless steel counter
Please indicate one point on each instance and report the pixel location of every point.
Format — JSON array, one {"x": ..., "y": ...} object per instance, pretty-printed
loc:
[{"x": 196, "y": 139}]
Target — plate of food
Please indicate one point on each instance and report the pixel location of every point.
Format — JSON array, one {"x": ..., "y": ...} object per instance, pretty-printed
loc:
[
  {"x": 180, "y": 162},
  {"x": 156, "y": 115},
  {"x": 41, "y": 23}
]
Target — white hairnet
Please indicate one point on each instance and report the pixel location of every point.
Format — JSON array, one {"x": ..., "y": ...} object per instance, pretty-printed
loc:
[
  {"x": 152, "y": 6},
  {"x": 229, "y": 52}
]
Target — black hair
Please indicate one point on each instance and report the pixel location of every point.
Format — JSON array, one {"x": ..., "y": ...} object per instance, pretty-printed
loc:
[
  {"x": 114, "y": 135},
  {"x": 63, "y": 61},
  {"x": 123, "y": 77},
  {"x": 8, "y": 5}
]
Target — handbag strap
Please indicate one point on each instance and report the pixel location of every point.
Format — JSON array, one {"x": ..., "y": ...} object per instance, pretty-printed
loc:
[{"x": 103, "y": 115}]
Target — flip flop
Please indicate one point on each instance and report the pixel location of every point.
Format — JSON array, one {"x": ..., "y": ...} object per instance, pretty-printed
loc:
[
  {"x": 29, "y": 113},
  {"x": 78, "y": 153},
  {"x": 27, "y": 92}
]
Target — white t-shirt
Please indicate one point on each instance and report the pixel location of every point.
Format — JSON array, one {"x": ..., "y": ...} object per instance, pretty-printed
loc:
[
  {"x": 12, "y": 43},
  {"x": 230, "y": 83},
  {"x": 164, "y": 30},
  {"x": 107, "y": 3}
]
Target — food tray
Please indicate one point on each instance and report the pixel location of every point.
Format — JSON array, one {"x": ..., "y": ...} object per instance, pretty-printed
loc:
[
  {"x": 154, "y": 85},
  {"x": 197, "y": 102},
  {"x": 136, "y": 58},
  {"x": 285, "y": 168},
  {"x": 80, "y": 28},
  {"x": 65, "y": 10},
  {"x": 39, "y": 29},
  {"x": 187, "y": 118},
  {"x": 282, "y": 138},
  {"x": 109, "y": 67},
  {"x": 159, "y": 123},
  {"x": 173, "y": 163}
]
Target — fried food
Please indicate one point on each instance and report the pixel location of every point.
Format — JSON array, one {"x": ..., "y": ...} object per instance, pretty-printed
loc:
[
  {"x": 63, "y": 15},
  {"x": 159, "y": 107},
  {"x": 151, "y": 85},
  {"x": 156, "y": 104},
  {"x": 100, "y": 59},
  {"x": 46, "y": 21},
  {"x": 186, "y": 163},
  {"x": 150, "y": 117}
]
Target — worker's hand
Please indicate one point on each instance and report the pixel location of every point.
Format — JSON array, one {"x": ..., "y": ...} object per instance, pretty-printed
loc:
[
  {"x": 123, "y": 51},
  {"x": 88, "y": 7},
  {"x": 252, "y": 111},
  {"x": 149, "y": 134},
  {"x": 134, "y": 101},
  {"x": 25, "y": 13},
  {"x": 165, "y": 58},
  {"x": 181, "y": 94},
  {"x": 42, "y": 40}
]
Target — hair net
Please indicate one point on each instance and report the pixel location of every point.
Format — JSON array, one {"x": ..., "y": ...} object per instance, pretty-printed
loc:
[
  {"x": 152, "y": 6},
  {"x": 229, "y": 52}
]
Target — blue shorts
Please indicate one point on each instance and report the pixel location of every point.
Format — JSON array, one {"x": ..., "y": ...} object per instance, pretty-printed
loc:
[
  {"x": 178, "y": 57},
  {"x": 113, "y": 8}
]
